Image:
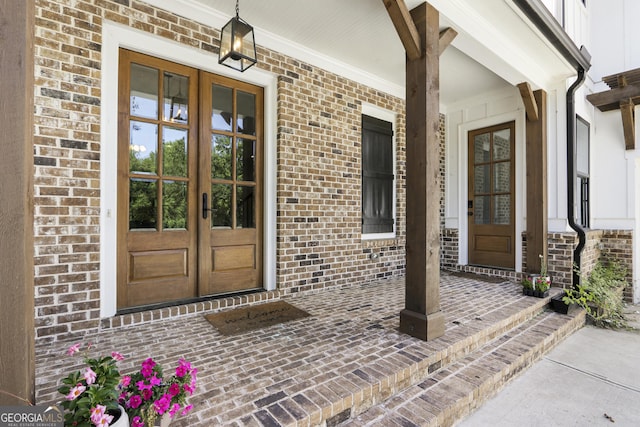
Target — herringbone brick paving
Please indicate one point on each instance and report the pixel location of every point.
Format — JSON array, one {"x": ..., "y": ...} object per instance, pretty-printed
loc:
[{"x": 347, "y": 353}]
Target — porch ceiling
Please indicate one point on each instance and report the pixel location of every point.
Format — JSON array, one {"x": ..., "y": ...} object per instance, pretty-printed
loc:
[{"x": 358, "y": 36}]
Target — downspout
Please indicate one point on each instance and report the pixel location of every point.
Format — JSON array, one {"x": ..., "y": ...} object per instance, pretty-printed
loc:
[
  {"x": 580, "y": 60},
  {"x": 571, "y": 169}
]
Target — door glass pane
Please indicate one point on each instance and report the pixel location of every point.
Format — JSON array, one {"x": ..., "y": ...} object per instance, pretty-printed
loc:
[
  {"x": 245, "y": 160},
  {"x": 176, "y": 98},
  {"x": 482, "y": 209},
  {"x": 502, "y": 209},
  {"x": 221, "y": 206},
  {"x": 221, "y": 157},
  {"x": 482, "y": 179},
  {"x": 143, "y": 206},
  {"x": 174, "y": 151},
  {"x": 222, "y": 108},
  {"x": 482, "y": 151},
  {"x": 246, "y": 113},
  {"x": 143, "y": 99},
  {"x": 143, "y": 140},
  {"x": 174, "y": 205},
  {"x": 502, "y": 177},
  {"x": 245, "y": 207},
  {"x": 502, "y": 145}
]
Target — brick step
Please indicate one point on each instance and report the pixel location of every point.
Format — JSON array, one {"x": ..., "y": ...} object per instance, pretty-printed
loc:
[
  {"x": 452, "y": 392},
  {"x": 356, "y": 387}
]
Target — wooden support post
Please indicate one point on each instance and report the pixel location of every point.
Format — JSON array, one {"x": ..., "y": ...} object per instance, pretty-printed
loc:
[
  {"x": 536, "y": 158},
  {"x": 422, "y": 317},
  {"x": 17, "y": 354}
]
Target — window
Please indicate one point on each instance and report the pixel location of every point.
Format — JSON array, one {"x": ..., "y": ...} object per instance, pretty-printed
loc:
[
  {"x": 582, "y": 171},
  {"x": 378, "y": 190}
]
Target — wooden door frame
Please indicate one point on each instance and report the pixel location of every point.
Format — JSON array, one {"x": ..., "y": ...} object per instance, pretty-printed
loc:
[
  {"x": 459, "y": 219},
  {"x": 117, "y": 36},
  {"x": 492, "y": 230}
]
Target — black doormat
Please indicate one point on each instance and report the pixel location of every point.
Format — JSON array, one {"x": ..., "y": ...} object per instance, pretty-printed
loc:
[
  {"x": 245, "y": 319},
  {"x": 479, "y": 277}
]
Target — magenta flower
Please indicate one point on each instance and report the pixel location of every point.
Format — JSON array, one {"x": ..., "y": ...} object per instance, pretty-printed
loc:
[
  {"x": 183, "y": 368},
  {"x": 142, "y": 385},
  {"x": 73, "y": 349},
  {"x": 174, "y": 409},
  {"x": 125, "y": 381},
  {"x": 154, "y": 381},
  {"x": 135, "y": 401},
  {"x": 75, "y": 392},
  {"x": 137, "y": 422},
  {"x": 162, "y": 405},
  {"x": 186, "y": 410},
  {"x": 147, "y": 367},
  {"x": 89, "y": 376},
  {"x": 147, "y": 394},
  {"x": 174, "y": 389},
  {"x": 117, "y": 356}
]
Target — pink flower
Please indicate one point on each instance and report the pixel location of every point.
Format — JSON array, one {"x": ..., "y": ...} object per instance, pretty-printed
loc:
[
  {"x": 142, "y": 386},
  {"x": 137, "y": 422},
  {"x": 183, "y": 368},
  {"x": 117, "y": 356},
  {"x": 76, "y": 391},
  {"x": 125, "y": 381},
  {"x": 174, "y": 389},
  {"x": 73, "y": 349},
  {"x": 147, "y": 367},
  {"x": 97, "y": 413},
  {"x": 154, "y": 381},
  {"x": 174, "y": 409},
  {"x": 147, "y": 394},
  {"x": 135, "y": 401},
  {"x": 89, "y": 376},
  {"x": 162, "y": 405},
  {"x": 186, "y": 410},
  {"x": 104, "y": 421}
]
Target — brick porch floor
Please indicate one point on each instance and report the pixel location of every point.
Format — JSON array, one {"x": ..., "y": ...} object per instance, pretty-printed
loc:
[{"x": 346, "y": 357}]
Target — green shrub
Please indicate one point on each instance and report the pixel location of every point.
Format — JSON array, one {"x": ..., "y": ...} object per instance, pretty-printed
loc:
[{"x": 600, "y": 294}]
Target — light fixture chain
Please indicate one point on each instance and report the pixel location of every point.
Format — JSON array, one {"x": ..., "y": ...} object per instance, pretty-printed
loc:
[{"x": 237, "y": 8}]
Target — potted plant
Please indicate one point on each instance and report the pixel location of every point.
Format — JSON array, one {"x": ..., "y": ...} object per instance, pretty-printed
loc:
[
  {"x": 149, "y": 396},
  {"x": 543, "y": 281},
  {"x": 91, "y": 395},
  {"x": 527, "y": 286},
  {"x": 99, "y": 395},
  {"x": 537, "y": 284}
]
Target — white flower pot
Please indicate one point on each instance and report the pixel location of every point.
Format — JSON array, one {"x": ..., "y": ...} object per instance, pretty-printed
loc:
[{"x": 123, "y": 421}]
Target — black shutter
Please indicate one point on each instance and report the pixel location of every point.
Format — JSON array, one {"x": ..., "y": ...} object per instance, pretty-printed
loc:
[{"x": 377, "y": 176}]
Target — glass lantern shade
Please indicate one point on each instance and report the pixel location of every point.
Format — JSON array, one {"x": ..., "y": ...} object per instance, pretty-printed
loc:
[{"x": 237, "y": 45}]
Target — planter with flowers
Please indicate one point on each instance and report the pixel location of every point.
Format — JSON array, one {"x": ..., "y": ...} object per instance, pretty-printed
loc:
[
  {"x": 99, "y": 396},
  {"x": 537, "y": 285},
  {"x": 149, "y": 396}
]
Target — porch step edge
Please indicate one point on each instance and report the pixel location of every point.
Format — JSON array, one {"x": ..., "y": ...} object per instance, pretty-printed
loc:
[{"x": 453, "y": 392}]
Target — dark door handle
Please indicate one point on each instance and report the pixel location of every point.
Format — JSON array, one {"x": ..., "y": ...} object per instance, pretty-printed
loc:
[{"x": 205, "y": 205}]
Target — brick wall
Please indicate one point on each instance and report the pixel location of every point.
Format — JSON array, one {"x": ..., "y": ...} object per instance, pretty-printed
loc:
[{"x": 318, "y": 164}]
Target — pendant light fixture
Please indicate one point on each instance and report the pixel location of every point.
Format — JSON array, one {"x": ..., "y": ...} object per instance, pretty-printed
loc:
[{"x": 237, "y": 44}]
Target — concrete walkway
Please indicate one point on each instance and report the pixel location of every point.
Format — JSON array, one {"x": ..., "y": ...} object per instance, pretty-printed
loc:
[{"x": 591, "y": 379}]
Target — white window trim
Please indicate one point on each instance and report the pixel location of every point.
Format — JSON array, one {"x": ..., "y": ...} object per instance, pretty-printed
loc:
[
  {"x": 388, "y": 116},
  {"x": 115, "y": 36}
]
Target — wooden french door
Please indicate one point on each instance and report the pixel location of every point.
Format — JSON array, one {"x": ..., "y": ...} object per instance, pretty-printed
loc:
[
  {"x": 230, "y": 244},
  {"x": 491, "y": 198},
  {"x": 173, "y": 157}
]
